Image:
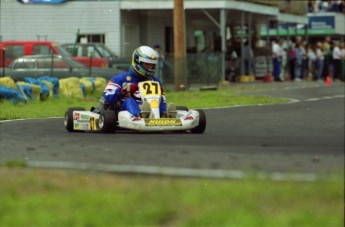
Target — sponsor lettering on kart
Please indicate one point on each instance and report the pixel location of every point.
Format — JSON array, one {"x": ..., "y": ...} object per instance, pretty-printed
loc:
[{"x": 163, "y": 122}]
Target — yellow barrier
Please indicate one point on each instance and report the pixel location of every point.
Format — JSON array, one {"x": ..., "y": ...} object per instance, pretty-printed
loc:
[
  {"x": 88, "y": 85},
  {"x": 100, "y": 84},
  {"x": 8, "y": 82},
  {"x": 70, "y": 87}
]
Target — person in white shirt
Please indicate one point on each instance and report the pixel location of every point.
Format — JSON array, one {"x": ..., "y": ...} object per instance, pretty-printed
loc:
[
  {"x": 317, "y": 6},
  {"x": 283, "y": 65},
  {"x": 336, "y": 54},
  {"x": 324, "y": 6},
  {"x": 276, "y": 57}
]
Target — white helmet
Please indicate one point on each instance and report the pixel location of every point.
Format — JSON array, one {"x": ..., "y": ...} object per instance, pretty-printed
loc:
[{"x": 144, "y": 54}]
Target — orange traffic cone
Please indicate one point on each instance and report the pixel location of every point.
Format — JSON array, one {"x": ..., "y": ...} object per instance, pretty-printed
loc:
[
  {"x": 268, "y": 78},
  {"x": 328, "y": 81}
]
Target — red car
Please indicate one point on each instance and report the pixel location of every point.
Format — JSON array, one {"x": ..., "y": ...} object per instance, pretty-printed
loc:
[{"x": 11, "y": 50}]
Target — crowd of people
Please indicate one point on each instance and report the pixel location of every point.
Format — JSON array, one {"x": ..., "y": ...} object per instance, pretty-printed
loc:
[
  {"x": 315, "y": 6},
  {"x": 304, "y": 61}
]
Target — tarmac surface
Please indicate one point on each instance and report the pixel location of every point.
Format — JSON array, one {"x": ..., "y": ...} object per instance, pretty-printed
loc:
[{"x": 304, "y": 136}]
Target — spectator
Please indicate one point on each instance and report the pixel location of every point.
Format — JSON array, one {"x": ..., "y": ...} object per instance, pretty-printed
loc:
[
  {"x": 292, "y": 61},
  {"x": 311, "y": 56},
  {"x": 328, "y": 56},
  {"x": 317, "y": 6},
  {"x": 160, "y": 65},
  {"x": 341, "y": 6},
  {"x": 343, "y": 62},
  {"x": 232, "y": 67},
  {"x": 337, "y": 55},
  {"x": 310, "y": 8},
  {"x": 333, "y": 6},
  {"x": 304, "y": 61},
  {"x": 283, "y": 64},
  {"x": 320, "y": 61},
  {"x": 248, "y": 57},
  {"x": 298, "y": 65},
  {"x": 276, "y": 57},
  {"x": 324, "y": 6}
]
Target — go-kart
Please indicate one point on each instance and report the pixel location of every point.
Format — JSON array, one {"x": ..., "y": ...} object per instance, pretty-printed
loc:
[{"x": 108, "y": 118}]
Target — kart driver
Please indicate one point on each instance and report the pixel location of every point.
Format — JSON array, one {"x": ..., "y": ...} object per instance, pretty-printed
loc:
[{"x": 123, "y": 87}]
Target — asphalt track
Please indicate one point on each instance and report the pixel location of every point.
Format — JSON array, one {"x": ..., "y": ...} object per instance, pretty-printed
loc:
[{"x": 305, "y": 136}]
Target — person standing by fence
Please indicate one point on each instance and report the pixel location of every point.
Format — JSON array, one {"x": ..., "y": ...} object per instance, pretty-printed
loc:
[
  {"x": 311, "y": 64},
  {"x": 326, "y": 48},
  {"x": 304, "y": 64},
  {"x": 248, "y": 57},
  {"x": 337, "y": 56},
  {"x": 283, "y": 64},
  {"x": 298, "y": 64},
  {"x": 320, "y": 61},
  {"x": 276, "y": 57},
  {"x": 343, "y": 62},
  {"x": 292, "y": 61}
]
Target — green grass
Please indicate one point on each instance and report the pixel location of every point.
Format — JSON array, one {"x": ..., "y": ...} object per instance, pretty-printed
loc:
[
  {"x": 55, "y": 107},
  {"x": 41, "y": 197},
  {"x": 32, "y": 197}
]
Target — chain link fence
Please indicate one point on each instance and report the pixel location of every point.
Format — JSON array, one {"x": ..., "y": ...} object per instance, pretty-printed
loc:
[{"x": 204, "y": 69}]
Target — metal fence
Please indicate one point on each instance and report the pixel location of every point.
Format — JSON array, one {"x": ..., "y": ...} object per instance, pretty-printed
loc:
[{"x": 201, "y": 69}]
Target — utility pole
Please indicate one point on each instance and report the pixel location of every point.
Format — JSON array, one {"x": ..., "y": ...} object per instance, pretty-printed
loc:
[{"x": 179, "y": 46}]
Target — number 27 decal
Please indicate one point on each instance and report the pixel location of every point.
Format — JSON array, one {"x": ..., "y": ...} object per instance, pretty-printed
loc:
[{"x": 150, "y": 88}]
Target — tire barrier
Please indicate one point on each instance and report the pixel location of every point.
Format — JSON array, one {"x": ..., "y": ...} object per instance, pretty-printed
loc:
[
  {"x": 11, "y": 94},
  {"x": 42, "y": 88},
  {"x": 30, "y": 91}
]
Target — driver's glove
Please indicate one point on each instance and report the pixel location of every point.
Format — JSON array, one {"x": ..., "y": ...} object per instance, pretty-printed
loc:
[{"x": 130, "y": 88}]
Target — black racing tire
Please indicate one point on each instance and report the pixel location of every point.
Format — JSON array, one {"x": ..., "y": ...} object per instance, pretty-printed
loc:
[
  {"x": 107, "y": 121},
  {"x": 202, "y": 123},
  {"x": 68, "y": 122},
  {"x": 184, "y": 108}
]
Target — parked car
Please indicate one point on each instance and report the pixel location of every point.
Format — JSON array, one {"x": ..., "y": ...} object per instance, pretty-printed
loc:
[
  {"x": 11, "y": 50},
  {"x": 99, "y": 50},
  {"x": 54, "y": 65}
]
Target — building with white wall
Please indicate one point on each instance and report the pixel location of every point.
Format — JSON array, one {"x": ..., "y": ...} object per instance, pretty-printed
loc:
[{"x": 125, "y": 24}]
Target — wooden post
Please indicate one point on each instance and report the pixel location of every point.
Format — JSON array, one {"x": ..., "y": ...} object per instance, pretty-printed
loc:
[{"x": 179, "y": 46}]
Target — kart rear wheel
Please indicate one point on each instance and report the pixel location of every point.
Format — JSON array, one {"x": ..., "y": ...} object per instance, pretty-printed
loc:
[
  {"x": 202, "y": 123},
  {"x": 68, "y": 122},
  {"x": 107, "y": 121}
]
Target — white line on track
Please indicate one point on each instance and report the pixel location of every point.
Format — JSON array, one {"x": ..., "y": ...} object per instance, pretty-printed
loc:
[
  {"x": 324, "y": 98},
  {"x": 23, "y": 119},
  {"x": 178, "y": 172},
  {"x": 291, "y": 101}
]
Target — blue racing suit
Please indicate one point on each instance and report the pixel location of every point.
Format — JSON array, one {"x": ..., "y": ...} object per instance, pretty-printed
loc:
[{"x": 112, "y": 92}]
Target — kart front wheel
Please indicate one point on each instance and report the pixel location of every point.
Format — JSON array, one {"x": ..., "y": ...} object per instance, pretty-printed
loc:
[
  {"x": 107, "y": 121},
  {"x": 202, "y": 123},
  {"x": 184, "y": 108},
  {"x": 68, "y": 121}
]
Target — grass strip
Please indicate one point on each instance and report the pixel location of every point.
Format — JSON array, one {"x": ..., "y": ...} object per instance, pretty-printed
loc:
[
  {"x": 56, "y": 107},
  {"x": 36, "y": 197}
]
